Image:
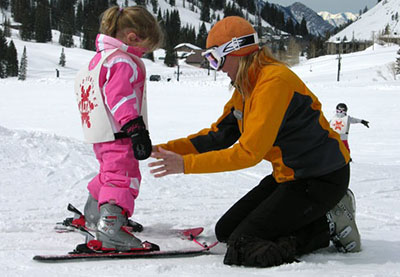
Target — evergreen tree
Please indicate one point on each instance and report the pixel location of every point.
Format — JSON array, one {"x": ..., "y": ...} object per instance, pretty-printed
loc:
[
  {"x": 397, "y": 66},
  {"x": 273, "y": 16},
  {"x": 172, "y": 3},
  {"x": 231, "y": 10},
  {"x": 4, "y": 4},
  {"x": 79, "y": 17},
  {"x": 25, "y": 13},
  {"x": 242, "y": 3},
  {"x": 42, "y": 22},
  {"x": 91, "y": 12},
  {"x": 289, "y": 26},
  {"x": 251, "y": 7},
  {"x": 172, "y": 28},
  {"x": 202, "y": 36},
  {"x": 18, "y": 9},
  {"x": 67, "y": 22},
  {"x": 316, "y": 47},
  {"x": 23, "y": 66},
  {"x": 62, "y": 58},
  {"x": 172, "y": 25},
  {"x": 205, "y": 11},
  {"x": 55, "y": 14},
  {"x": 7, "y": 28},
  {"x": 159, "y": 17},
  {"x": 188, "y": 34},
  {"x": 154, "y": 3},
  {"x": 12, "y": 60},
  {"x": 3, "y": 51},
  {"x": 170, "y": 57},
  {"x": 303, "y": 28},
  {"x": 217, "y": 4},
  {"x": 386, "y": 31}
]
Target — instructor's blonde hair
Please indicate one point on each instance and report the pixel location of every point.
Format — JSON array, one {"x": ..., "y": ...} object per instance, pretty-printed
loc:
[
  {"x": 258, "y": 60},
  {"x": 143, "y": 23}
]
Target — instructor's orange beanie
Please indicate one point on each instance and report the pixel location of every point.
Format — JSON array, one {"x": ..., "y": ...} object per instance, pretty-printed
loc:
[{"x": 228, "y": 28}]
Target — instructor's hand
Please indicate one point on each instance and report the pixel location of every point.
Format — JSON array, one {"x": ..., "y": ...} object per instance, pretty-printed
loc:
[{"x": 168, "y": 163}]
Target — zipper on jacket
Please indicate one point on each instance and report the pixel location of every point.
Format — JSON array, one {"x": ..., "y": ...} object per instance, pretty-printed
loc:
[{"x": 244, "y": 102}]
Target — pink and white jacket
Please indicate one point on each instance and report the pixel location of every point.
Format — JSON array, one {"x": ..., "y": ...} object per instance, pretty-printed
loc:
[
  {"x": 121, "y": 78},
  {"x": 111, "y": 89}
]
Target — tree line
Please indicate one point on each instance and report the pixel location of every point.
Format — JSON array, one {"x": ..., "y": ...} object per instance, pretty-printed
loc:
[
  {"x": 9, "y": 60},
  {"x": 37, "y": 19}
]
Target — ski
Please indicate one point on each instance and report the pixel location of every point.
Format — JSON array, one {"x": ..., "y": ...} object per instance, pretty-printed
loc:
[{"x": 145, "y": 252}]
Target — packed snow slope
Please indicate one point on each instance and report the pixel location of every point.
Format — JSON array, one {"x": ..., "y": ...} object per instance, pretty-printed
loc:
[
  {"x": 372, "y": 24},
  {"x": 44, "y": 165}
]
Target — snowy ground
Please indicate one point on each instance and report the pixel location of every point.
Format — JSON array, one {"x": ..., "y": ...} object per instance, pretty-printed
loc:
[{"x": 44, "y": 165}]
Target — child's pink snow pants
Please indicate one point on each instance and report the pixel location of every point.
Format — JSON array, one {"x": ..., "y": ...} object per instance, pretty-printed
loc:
[{"x": 119, "y": 177}]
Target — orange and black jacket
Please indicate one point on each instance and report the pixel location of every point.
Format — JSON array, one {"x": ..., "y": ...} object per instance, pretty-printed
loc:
[{"x": 281, "y": 121}]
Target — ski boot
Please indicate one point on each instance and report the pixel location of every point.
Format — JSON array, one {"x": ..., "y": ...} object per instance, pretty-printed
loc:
[
  {"x": 92, "y": 216},
  {"x": 91, "y": 213},
  {"x": 342, "y": 225},
  {"x": 113, "y": 231},
  {"x": 89, "y": 219}
]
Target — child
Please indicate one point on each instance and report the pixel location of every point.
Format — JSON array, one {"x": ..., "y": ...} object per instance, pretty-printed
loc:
[
  {"x": 341, "y": 123},
  {"x": 111, "y": 99}
]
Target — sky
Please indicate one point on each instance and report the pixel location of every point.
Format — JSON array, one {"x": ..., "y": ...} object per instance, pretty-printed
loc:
[{"x": 336, "y": 6}]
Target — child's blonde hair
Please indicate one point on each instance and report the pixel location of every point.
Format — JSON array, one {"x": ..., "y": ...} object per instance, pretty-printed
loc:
[{"x": 143, "y": 23}]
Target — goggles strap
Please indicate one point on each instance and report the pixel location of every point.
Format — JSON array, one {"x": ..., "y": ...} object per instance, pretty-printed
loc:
[
  {"x": 233, "y": 45},
  {"x": 237, "y": 43}
]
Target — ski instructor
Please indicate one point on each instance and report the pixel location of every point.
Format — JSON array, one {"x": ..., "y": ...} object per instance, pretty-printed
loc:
[{"x": 272, "y": 115}]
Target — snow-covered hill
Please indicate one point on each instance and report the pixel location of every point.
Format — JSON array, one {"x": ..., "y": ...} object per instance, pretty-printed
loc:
[
  {"x": 44, "y": 165},
  {"x": 373, "y": 23},
  {"x": 338, "y": 19}
]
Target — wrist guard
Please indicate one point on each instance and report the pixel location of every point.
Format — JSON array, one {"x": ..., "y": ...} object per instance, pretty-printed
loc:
[{"x": 141, "y": 143}]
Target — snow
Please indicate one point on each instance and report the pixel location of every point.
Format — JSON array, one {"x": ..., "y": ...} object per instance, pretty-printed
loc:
[
  {"x": 44, "y": 165},
  {"x": 371, "y": 24}
]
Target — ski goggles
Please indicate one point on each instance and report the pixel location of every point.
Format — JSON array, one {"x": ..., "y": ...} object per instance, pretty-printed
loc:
[
  {"x": 216, "y": 55},
  {"x": 341, "y": 110}
]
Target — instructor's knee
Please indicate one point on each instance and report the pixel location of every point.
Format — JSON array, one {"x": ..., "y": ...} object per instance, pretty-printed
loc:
[{"x": 220, "y": 231}]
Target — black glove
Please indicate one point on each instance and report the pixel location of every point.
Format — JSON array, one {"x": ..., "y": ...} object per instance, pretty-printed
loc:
[
  {"x": 141, "y": 143},
  {"x": 365, "y": 123}
]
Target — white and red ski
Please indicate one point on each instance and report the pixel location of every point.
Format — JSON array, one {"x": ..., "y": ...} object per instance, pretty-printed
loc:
[{"x": 149, "y": 250}]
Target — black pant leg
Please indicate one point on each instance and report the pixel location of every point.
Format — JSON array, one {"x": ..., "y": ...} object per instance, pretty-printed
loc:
[
  {"x": 296, "y": 206},
  {"x": 316, "y": 234},
  {"x": 242, "y": 208}
]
